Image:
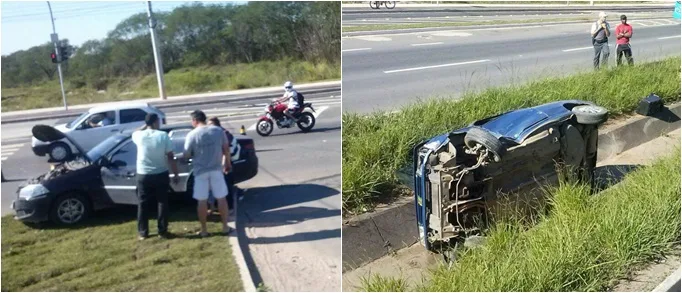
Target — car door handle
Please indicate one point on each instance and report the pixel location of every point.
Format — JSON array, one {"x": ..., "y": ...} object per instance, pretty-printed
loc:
[
  {"x": 114, "y": 130},
  {"x": 130, "y": 174}
]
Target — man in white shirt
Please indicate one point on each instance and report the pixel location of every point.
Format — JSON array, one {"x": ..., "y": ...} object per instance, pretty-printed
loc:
[{"x": 601, "y": 30}]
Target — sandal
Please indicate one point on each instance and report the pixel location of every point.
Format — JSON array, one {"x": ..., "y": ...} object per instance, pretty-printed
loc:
[{"x": 202, "y": 234}]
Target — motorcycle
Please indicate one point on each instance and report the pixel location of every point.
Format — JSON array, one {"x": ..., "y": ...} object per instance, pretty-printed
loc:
[{"x": 275, "y": 112}]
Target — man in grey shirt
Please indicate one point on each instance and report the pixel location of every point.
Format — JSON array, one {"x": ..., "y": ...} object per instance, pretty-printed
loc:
[
  {"x": 601, "y": 30},
  {"x": 210, "y": 150}
]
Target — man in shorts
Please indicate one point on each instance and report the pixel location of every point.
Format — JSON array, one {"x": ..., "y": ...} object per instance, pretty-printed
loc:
[{"x": 210, "y": 150}]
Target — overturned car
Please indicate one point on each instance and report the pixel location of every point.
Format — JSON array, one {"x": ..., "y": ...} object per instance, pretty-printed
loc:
[{"x": 459, "y": 175}]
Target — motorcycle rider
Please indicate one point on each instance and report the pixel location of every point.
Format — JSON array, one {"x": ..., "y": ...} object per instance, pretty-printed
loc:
[{"x": 291, "y": 95}]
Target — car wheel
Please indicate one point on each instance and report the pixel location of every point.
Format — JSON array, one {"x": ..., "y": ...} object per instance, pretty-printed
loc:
[
  {"x": 70, "y": 209},
  {"x": 477, "y": 135},
  {"x": 59, "y": 152},
  {"x": 590, "y": 115}
]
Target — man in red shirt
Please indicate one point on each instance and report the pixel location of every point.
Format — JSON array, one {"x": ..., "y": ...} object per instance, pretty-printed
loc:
[{"x": 623, "y": 35}]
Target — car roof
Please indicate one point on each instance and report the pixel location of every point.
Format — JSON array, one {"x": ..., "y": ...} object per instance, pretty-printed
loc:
[{"x": 118, "y": 106}]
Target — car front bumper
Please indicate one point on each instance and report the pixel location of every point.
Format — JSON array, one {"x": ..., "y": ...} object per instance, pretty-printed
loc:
[{"x": 34, "y": 211}]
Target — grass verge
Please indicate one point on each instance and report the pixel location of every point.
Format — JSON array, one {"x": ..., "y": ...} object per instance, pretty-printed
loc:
[
  {"x": 104, "y": 255},
  {"x": 378, "y": 145},
  {"x": 379, "y": 27},
  {"x": 177, "y": 82},
  {"x": 584, "y": 243}
]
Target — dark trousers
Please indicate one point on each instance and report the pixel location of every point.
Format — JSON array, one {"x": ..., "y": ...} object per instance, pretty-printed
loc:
[
  {"x": 624, "y": 49},
  {"x": 601, "y": 50},
  {"x": 152, "y": 187},
  {"x": 229, "y": 180}
]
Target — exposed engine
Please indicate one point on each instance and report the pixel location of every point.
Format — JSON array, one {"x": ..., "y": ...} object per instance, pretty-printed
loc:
[{"x": 460, "y": 205}]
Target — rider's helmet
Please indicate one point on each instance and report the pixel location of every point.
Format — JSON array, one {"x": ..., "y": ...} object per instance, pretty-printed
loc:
[{"x": 288, "y": 86}]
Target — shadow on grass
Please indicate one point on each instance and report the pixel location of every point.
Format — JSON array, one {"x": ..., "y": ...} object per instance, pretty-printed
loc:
[
  {"x": 607, "y": 176},
  {"x": 180, "y": 210}
]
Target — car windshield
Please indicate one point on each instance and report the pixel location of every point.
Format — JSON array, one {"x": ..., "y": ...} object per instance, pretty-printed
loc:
[
  {"x": 104, "y": 147},
  {"x": 71, "y": 124}
]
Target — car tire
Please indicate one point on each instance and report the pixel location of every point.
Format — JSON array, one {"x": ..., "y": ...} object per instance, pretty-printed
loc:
[
  {"x": 59, "y": 152},
  {"x": 590, "y": 114},
  {"x": 476, "y": 135},
  {"x": 70, "y": 209}
]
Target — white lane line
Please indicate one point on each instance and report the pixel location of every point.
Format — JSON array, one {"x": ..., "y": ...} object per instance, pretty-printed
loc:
[
  {"x": 427, "y": 44},
  {"x": 4, "y": 158},
  {"x": 358, "y": 49},
  {"x": 10, "y": 146},
  {"x": 670, "y": 37},
  {"x": 577, "y": 49},
  {"x": 437, "y": 66}
]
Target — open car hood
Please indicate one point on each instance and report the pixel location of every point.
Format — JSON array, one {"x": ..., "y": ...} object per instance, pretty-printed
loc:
[{"x": 46, "y": 133}]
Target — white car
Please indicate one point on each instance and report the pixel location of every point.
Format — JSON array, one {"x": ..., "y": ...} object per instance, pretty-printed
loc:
[{"x": 94, "y": 126}]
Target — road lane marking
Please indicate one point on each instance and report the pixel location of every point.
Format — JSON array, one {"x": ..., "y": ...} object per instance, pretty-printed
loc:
[
  {"x": 437, "y": 66},
  {"x": 358, "y": 49},
  {"x": 4, "y": 158},
  {"x": 11, "y": 146},
  {"x": 577, "y": 49},
  {"x": 427, "y": 44},
  {"x": 670, "y": 37}
]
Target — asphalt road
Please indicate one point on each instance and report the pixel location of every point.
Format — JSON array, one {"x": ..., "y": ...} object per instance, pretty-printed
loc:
[
  {"x": 291, "y": 212},
  {"x": 391, "y": 69}
]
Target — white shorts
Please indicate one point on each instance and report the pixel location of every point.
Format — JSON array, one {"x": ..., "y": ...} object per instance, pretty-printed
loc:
[{"x": 213, "y": 181}]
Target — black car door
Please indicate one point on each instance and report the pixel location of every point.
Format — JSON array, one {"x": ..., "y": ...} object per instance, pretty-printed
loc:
[{"x": 119, "y": 177}]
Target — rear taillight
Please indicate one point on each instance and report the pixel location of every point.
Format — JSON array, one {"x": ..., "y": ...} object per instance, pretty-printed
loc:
[{"x": 249, "y": 146}]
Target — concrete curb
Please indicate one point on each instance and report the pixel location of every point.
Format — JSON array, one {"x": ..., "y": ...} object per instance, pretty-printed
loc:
[
  {"x": 670, "y": 284},
  {"x": 238, "y": 255},
  {"x": 176, "y": 101},
  {"x": 370, "y": 236}
]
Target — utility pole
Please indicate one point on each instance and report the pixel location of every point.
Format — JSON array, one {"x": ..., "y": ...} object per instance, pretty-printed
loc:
[
  {"x": 55, "y": 40},
  {"x": 157, "y": 58}
]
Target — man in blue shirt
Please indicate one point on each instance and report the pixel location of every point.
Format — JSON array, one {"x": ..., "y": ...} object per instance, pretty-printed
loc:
[{"x": 154, "y": 156}]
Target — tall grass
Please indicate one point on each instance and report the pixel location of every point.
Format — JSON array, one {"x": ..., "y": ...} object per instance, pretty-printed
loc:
[
  {"x": 583, "y": 244},
  {"x": 376, "y": 146},
  {"x": 177, "y": 82}
]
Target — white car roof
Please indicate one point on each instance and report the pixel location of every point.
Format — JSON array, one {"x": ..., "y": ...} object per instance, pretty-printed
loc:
[{"x": 118, "y": 106}]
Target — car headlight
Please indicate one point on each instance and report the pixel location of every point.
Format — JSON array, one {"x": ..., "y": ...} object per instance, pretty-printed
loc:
[{"x": 33, "y": 191}]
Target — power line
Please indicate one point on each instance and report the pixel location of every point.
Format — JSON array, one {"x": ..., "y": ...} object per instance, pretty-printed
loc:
[
  {"x": 75, "y": 15},
  {"x": 83, "y": 10}
]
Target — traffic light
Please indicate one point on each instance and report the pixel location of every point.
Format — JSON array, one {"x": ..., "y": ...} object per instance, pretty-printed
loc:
[
  {"x": 64, "y": 53},
  {"x": 53, "y": 55}
]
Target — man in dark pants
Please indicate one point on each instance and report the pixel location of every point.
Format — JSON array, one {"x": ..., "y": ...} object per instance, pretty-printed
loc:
[
  {"x": 623, "y": 35},
  {"x": 154, "y": 156},
  {"x": 601, "y": 30}
]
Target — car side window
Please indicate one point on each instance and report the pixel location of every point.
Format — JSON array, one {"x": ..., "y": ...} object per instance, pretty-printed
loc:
[
  {"x": 132, "y": 115},
  {"x": 99, "y": 120},
  {"x": 126, "y": 154}
]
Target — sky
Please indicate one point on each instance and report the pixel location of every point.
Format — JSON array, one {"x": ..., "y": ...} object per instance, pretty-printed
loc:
[{"x": 27, "y": 23}]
